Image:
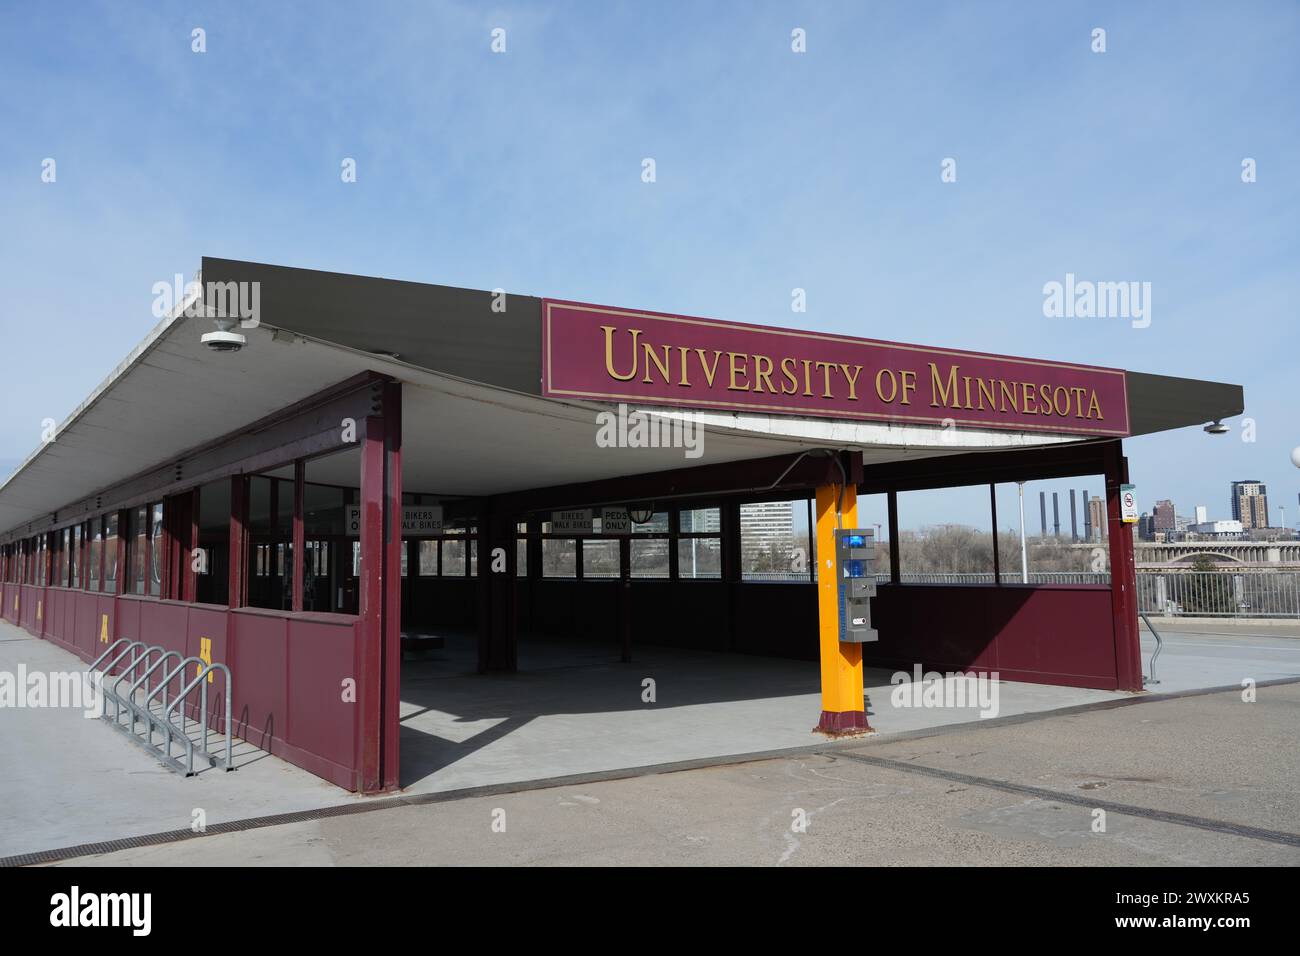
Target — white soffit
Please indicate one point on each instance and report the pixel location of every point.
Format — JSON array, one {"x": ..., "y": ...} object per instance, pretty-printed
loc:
[{"x": 172, "y": 395}]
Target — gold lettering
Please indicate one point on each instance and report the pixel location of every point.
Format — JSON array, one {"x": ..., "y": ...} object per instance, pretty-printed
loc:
[
  {"x": 893, "y": 385},
  {"x": 852, "y": 380},
  {"x": 652, "y": 356},
  {"x": 1008, "y": 390},
  {"x": 909, "y": 385},
  {"x": 1056, "y": 400},
  {"x": 762, "y": 373},
  {"x": 743, "y": 370},
  {"x": 986, "y": 390},
  {"x": 788, "y": 371},
  {"x": 1093, "y": 403},
  {"x": 807, "y": 377},
  {"x": 1045, "y": 395},
  {"x": 709, "y": 372},
  {"x": 826, "y": 375},
  {"x": 609, "y": 353},
  {"x": 685, "y": 382},
  {"x": 940, "y": 395}
]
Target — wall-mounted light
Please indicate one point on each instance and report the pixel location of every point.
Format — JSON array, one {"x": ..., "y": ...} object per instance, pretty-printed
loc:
[
  {"x": 640, "y": 514},
  {"x": 1216, "y": 427}
]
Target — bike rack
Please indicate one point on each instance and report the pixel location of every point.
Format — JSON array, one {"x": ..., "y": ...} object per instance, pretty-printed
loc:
[
  {"x": 1159, "y": 646},
  {"x": 142, "y": 713}
]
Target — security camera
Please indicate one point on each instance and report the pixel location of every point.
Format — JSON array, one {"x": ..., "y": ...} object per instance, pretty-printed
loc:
[
  {"x": 1216, "y": 427},
  {"x": 225, "y": 339}
]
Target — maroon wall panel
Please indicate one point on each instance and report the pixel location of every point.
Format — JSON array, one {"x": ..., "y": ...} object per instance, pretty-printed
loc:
[
  {"x": 259, "y": 645},
  {"x": 321, "y": 656},
  {"x": 1043, "y": 634}
]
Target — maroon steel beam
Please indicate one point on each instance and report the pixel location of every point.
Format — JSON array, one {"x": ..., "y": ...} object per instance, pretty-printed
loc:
[
  {"x": 370, "y": 630},
  {"x": 758, "y": 474},
  {"x": 987, "y": 467},
  {"x": 390, "y": 727},
  {"x": 299, "y": 560},
  {"x": 238, "y": 574},
  {"x": 191, "y": 576},
  {"x": 1123, "y": 576}
]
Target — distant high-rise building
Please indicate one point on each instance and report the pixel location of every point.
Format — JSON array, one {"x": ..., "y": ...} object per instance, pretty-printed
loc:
[
  {"x": 766, "y": 523},
  {"x": 1202, "y": 514},
  {"x": 1097, "y": 518},
  {"x": 1250, "y": 503},
  {"x": 1163, "y": 517}
]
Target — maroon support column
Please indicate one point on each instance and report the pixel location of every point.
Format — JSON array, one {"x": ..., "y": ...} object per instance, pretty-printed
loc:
[
  {"x": 1123, "y": 576},
  {"x": 379, "y": 635},
  {"x": 299, "y": 543},
  {"x": 497, "y": 623},
  {"x": 237, "y": 586}
]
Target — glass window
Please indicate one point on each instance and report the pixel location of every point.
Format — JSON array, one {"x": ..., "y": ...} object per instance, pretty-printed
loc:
[
  {"x": 96, "y": 552},
  {"x": 139, "y": 547},
  {"x": 1065, "y": 531},
  {"x": 600, "y": 558},
  {"x": 75, "y": 580},
  {"x": 559, "y": 557},
  {"x": 649, "y": 547},
  {"x": 62, "y": 555},
  {"x": 699, "y": 545},
  {"x": 454, "y": 553},
  {"x": 428, "y": 563},
  {"x": 110, "y": 553},
  {"x": 945, "y": 536},
  {"x": 212, "y": 582},
  {"x": 156, "y": 555},
  {"x": 270, "y": 523},
  {"x": 775, "y": 541},
  {"x": 521, "y": 549}
]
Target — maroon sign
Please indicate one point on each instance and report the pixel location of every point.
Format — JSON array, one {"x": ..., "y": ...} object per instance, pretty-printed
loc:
[{"x": 605, "y": 354}]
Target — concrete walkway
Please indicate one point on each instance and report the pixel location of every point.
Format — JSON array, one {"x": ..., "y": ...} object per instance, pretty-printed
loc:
[
  {"x": 570, "y": 710},
  {"x": 1196, "y": 781}
]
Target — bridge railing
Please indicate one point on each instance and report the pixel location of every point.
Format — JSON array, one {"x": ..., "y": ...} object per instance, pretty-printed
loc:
[{"x": 1219, "y": 593}]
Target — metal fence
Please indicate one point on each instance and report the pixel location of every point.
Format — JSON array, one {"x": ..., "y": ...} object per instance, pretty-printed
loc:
[{"x": 1219, "y": 593}]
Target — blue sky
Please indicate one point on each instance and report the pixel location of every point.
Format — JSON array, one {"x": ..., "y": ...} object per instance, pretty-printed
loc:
[{"x": 775, "y": 170}]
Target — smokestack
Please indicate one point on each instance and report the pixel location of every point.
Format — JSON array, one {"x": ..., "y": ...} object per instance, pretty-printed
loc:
[
  {"x": 1056, "y": 515},
  {"x": 1087, "y": 518},
  {"x": 1042, "y": 510},
  {"x": 1074, "y": 519}
]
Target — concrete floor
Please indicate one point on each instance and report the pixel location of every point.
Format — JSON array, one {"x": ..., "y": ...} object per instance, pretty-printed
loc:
[
  {"x": 1195, "y": 781},
  {"x": 571, "y": 709}
]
